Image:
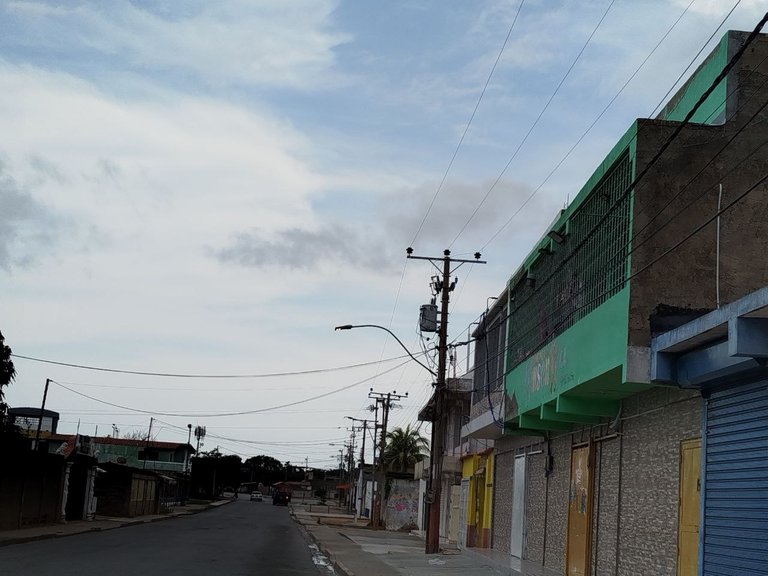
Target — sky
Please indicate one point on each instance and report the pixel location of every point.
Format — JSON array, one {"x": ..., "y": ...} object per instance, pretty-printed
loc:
[{"x": 208, "y": 188}]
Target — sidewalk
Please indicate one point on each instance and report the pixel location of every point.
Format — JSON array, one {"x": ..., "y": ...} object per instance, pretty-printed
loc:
[
  {"x": 8, "y": 537},
  {"x": 358, "y": 551}
]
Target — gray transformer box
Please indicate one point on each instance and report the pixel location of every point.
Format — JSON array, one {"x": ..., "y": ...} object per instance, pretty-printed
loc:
[{"x": 428, "y": 318}]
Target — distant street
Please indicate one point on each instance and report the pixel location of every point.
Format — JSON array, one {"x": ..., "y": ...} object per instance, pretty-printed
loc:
[{"x": 239, "y": 539}]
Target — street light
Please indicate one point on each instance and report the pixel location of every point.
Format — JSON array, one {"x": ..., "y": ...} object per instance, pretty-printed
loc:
[{"x": 351, "y": 326}]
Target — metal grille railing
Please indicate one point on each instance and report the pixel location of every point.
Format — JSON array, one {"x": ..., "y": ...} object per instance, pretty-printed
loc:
[
  {"x": 576, "y": 276},
  {"x": 489, "y": 358}
]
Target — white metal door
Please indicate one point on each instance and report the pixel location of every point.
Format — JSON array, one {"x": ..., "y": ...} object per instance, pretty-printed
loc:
[
  {"x": 464, "y": 499},
  {"x": 518, "y": 507}
]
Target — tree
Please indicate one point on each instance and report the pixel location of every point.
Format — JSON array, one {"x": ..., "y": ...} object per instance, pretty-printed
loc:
[
  {"x": 7, "y": 375},
  {"x": 138, "y": 435},
  {"x": 264, "y": 469},
  {"x": 405, "y": 447}
]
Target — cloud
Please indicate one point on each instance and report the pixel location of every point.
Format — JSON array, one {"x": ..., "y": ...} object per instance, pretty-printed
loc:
[
  {"x": 377, "y": 243},
  {"x": 25, "y": 225},
  {"x": 454, "y": 206},
  {"x": 269, "y": 43},
  {"x": 299, "y": 249}
]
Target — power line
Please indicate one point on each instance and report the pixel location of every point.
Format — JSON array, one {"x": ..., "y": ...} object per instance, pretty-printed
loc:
[
  {"x": 589, "y": 128},
  {"x": 224, "y": 414},
  {"x": 633, "y": 247},
  {"x": 535, "y": 123},
  {"x": 703, "y": 46},
  {"x": 469, "y": 123},
  {"x": 665, "y": 145},
  {"x": 210, "y": 376},
  {"x": 692, "y": 179}
]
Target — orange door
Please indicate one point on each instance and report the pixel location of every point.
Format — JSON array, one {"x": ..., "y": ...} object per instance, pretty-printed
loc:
[
  {"x": 688, "y": 525},
  {"x": 579, "y": 513}
]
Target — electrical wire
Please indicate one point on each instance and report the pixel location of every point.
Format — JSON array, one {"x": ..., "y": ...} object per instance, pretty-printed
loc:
[
  {"x": 636, "y": 233},
  {"x": 589, "y": 129},
  {"x": 469, "y": 123},
  {"x": 621, "y": 251},
  {"x": 703, "y": 46},
  {"x": 224, "y": 414},
  {"x": 665, "y": 145},
  {"x": 533, "y": 126},
  {"x": 211, "y": 376}
]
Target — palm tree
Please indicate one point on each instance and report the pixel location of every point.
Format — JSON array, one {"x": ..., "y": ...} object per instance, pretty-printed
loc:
[{"x": 404, "y": 448}]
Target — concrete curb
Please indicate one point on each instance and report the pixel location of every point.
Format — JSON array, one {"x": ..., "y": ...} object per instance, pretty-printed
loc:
[
  {"x": 86, "y": 528},
  {"x": 338, "y": 565}
]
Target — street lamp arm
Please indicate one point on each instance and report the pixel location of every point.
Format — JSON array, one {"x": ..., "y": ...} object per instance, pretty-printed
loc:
[{"x": 350, "y": 326}]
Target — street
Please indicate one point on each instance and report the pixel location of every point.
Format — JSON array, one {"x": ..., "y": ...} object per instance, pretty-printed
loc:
[{"x": 238, "y": 539}]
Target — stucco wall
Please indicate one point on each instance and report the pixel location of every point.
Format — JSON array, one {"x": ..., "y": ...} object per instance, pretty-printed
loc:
[
  {"x": 686, "y": 277},
  {"x": 402, "y": 509}
]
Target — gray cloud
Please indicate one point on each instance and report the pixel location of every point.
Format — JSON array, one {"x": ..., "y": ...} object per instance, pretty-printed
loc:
[
  {"x": 296, "y": 248},
  {"x": 379, "y": 242},
  {"x": 25, "y": 225},
  {"x": 404, "y": 211}
]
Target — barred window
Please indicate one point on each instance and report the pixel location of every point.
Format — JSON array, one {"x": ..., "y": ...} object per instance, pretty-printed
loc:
[{"x": 570, "y": 279}]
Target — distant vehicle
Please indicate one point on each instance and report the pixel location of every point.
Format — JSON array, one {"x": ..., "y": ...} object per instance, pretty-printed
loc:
[
  {"x": 279, "y": 498},
  {"x": 257, "y": 496}
]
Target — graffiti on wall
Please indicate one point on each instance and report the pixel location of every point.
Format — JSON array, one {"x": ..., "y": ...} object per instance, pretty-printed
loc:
[
  {"x": 402, "y": 509},
  {"x": 545, "y": 367}
]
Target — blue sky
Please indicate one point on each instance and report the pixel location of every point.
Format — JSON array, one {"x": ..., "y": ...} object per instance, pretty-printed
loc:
[{"x": 210, "y": 187}]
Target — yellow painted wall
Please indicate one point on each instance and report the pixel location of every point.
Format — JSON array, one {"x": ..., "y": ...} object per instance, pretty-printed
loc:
[
  {"x": 470, "y": 465},
  {"x": 488, "y": 511}
]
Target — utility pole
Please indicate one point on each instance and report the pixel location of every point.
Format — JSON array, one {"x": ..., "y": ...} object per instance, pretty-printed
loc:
[
  {"x": 42, "y": 411},
  {"x": 444, "y": 287},
  {"x": 386, "y": 403},
  {"x": 360, "y": 487},
  {"x": 146, "y": 447}
]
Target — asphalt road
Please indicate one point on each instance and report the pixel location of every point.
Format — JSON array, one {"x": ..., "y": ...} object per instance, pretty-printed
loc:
[{"x": 237, "y": 539}]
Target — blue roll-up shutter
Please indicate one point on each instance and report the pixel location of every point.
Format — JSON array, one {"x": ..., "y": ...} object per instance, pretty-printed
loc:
[{"x": 735, "y": 482}]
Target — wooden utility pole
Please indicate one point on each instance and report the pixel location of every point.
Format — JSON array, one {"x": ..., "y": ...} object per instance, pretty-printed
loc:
[
  {"x": 42, "y": 411},
  {"x": 444, "y": 286},
  {"x": 380, "y": 477}
]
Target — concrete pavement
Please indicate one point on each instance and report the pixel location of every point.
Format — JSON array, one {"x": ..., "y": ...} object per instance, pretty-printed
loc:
[{"x": 355, "y": 550}]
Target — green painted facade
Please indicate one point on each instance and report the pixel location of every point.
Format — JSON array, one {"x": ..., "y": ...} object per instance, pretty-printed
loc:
[
  {"x": 595, "y": 346},
  {"x": 712, "y": 110},
  {"x": 589, "y": 358},
  {"x": 128, "y": 455},
  {"x": 579, "y": 375}
]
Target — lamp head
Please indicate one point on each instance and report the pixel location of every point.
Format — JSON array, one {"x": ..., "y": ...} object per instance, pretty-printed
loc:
[{"x": 344, "y": 327}]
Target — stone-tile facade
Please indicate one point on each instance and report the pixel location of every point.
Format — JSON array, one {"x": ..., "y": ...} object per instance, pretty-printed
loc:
[{"x": 635, "y": 487}]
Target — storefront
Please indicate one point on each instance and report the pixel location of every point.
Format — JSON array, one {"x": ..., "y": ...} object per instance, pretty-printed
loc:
[{"x": 724, "y": 355}]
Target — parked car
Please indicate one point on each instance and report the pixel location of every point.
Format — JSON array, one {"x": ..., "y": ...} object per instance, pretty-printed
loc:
[
  {"x": 281, "y": 498},
  {"x": 257, "y": 496}
]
